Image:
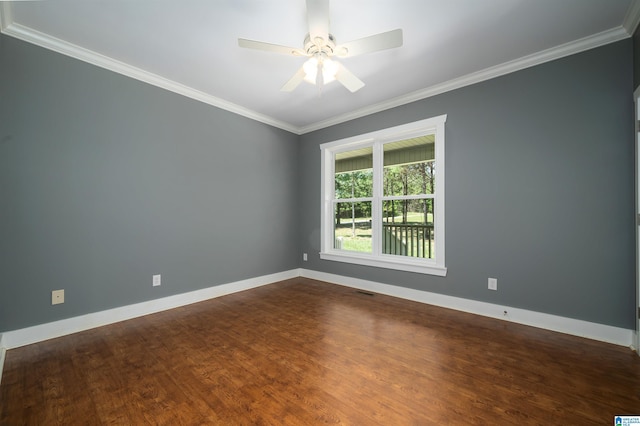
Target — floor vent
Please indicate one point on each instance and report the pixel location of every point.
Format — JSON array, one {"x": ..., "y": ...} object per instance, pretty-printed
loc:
[{"x": 366, "y": 293}]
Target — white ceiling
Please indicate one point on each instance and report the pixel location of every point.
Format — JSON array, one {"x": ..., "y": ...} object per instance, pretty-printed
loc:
[{"x": 191, "y": 47}]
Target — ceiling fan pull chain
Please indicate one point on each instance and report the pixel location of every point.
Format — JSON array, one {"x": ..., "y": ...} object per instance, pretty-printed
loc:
[{"x": 319, "y": 78}]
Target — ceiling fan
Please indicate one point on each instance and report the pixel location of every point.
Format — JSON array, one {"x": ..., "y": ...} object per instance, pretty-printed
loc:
[{"x": 320, "y": 47}]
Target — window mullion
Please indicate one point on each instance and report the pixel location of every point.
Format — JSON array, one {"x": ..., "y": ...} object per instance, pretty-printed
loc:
[
  {"x": 376, "y": 208},
  {"x": 352, "y": 200},
  {"x": 408, "y": 197}
]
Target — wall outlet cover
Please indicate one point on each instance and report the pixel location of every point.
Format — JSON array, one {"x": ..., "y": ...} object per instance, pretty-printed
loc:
[
  {"x": 157, "y": 280},
  {"x": 57, "y": 297}
]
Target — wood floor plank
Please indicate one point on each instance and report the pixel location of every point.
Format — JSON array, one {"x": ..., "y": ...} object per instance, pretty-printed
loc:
[{"x": 304, "y": 352}]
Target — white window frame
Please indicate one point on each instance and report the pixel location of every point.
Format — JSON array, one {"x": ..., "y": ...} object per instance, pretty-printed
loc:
[{"x": 377, "y": 139}]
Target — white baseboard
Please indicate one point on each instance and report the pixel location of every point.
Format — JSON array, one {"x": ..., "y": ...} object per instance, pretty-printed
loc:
[
  {"x": 38, "y": 333},
  {"x": 590, "y": 330},
  {"x": 3, "y": 352}
]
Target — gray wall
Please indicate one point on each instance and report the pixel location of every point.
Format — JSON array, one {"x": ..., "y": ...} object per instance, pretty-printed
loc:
[
  {"x": 539, "y": 175},
  {"x": 636, "y": 58},
  {"x": 105, "y": 181}
]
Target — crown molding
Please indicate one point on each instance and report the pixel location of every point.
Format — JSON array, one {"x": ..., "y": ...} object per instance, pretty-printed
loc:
[
  {"x": 44, "y": 40},
  {"x": 561, "y": 51},
  {"x": 632, "y": 18},
  {"x": 6, "y": 17},
  {"x": 7, "y": 26}
]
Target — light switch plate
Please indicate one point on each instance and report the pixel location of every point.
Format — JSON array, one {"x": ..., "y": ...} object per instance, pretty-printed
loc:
[{"x": 493, "y": 284}]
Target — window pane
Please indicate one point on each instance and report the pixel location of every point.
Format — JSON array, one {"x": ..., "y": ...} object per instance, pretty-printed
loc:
[
  {"x": 352, "y": 225},
  {"x": 409, "y": 166},
  {"x": 354, "y": 173},
  {"x": 407, "y": 228}
]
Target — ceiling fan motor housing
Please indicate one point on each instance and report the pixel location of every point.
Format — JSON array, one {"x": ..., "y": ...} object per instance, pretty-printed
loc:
[{"x": 320, "y": 45}]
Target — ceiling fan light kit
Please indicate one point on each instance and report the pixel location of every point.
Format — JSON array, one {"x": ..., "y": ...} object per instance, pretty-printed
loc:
[
  {"x": 320, "y": 46},
  {"x": 320, "y": 66}
]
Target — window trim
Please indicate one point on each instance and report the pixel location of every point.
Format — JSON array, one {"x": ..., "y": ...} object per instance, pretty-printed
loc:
[{"x": 377, "y": 139}]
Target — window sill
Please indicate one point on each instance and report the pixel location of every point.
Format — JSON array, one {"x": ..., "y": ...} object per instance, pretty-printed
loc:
[{"x": 388, "y": 262}]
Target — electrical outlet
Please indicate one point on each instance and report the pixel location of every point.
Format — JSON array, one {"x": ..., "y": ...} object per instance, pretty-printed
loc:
[
  {"x": 304, "y": 257},
  {"x": 57, "y": 297},
  {"x": 493, "y": 284},
  {"x": 157, "y": 280}
]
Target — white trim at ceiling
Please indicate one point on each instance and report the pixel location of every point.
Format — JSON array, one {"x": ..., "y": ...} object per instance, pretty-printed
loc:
[
  {"x": 6, "y": 17},
  {"x": 632, "y": 18},
  {"x": 49, "y": 42},
  {"x": 561, "y": 51},
  {"x": 7, "y": 26}
]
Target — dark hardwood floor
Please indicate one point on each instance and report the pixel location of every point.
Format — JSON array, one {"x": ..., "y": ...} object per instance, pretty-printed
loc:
[{"x": 306, "y": 352}]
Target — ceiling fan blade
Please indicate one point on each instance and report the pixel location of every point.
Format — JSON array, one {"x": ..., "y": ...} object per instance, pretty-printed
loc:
[
  {"x": 373, "y": 43},
  {"x": 348, "y": 79},
  {"x": 318, "y": 19},
  {"x": 297, "y": 78},
  {"x": 259, "y": 45}
]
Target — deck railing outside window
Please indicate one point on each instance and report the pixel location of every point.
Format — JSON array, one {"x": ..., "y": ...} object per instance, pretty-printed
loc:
[{"x": 414, "y": 240}]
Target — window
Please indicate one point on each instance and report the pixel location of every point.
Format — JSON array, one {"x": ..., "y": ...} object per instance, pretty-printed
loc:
[{"x": 383, "y": 198}]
